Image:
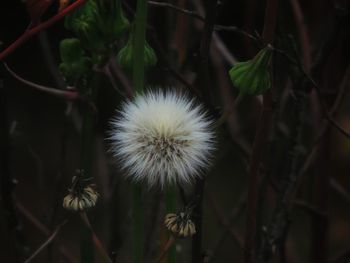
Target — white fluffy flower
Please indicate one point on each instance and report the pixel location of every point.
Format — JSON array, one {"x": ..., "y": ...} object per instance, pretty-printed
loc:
[{"x": 162, "y": 137}]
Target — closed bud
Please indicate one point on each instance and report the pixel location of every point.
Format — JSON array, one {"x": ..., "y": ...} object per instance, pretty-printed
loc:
[
  {"x": 74, "y": 64},
  {"x": 83, "y": 22},
  {"x": 252, "y": 77},
  {"x": 125, "y": 55},
  {"x": 81, "y": 197},
  {"x": 180, "y": 224},
  {"x": 111, "y": 21}
]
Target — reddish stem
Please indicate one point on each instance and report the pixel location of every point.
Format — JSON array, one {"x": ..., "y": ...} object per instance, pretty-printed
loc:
[{"x": 35, "y": 30}]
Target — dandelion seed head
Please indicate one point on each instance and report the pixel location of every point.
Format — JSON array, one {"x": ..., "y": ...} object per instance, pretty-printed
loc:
[{"x": 162, "y": 137}]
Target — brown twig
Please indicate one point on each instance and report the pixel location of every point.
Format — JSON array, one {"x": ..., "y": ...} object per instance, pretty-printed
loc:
[
  {"x": 203, "y": 82},
  {"x": 98, "y": 244},
  {"x": 165, "y": 249},
  {"x": 261, "y": 135},
  {"x": 303, "y": 34},
  {"x": 46, "y": 243},
  {"x": 235, "y": 213},
  {"x": 178, "y": 9},
  {"x": 224, "y": 221},
  {"x": 64, "y": 94},
  {"x": 35, "y": 30},
  {"x": 42, "y": 228}
]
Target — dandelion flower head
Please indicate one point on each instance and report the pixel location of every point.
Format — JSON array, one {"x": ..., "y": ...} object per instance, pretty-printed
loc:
[{"x": 162, "y": 137}]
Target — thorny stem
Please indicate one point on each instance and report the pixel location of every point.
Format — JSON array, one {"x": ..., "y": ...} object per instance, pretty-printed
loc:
[
  {"x": 260, "y": 140},
  {"x": 35, "y": 30}
]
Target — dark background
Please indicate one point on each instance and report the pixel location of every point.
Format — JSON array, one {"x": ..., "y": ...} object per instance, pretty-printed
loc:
[{"x": 40, "y": 139}]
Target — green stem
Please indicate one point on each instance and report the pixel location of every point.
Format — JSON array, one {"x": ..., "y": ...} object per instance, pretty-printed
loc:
[
  {"x": 86, "y": 245},
  {"x": 139, "y": 45},
  {"x": 138, "y": 223},
  {"x": 170, "y": 201},
  {"x": 138, "y": 82}
]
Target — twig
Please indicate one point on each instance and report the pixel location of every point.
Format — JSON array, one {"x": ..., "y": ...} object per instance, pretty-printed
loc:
[
  {"x": 166, "y": 247},
  {"x": 261, "y": 135},
  {"x": 303, "y": 34},
  {"x": 7, "y": 182},
  {"x": 310, "y": 208},
  {"x": 297, "y": 167},
  {"x": 236, "y": 30},
  {"x": 46, "y": 243},
  {"x": 203, "y": 81},
  {"x": 64, "y": 94},
  {"x": 35, "y": 30},
  {"x": 224, "y": 221},
  {"x": 235, "y": 213},
  {"x": 342, "y": 257},
  {"x": 96, "y": 240},
  {"x": 42, "y": 228},
  {"x": 176, "y": 8}
]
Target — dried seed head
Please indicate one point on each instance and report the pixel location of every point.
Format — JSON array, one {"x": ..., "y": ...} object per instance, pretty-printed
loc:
[
  {"x": 180, "y": 224},
  {"x": 80, "y": 198},
  {"x": 162, "y": 137}
]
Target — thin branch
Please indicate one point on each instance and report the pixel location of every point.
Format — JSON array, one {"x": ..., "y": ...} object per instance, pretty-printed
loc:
[
  {"x": 224, "y": 221},
  {"x": 235, "y": 213},
  {"x": 342, "y": 257},
  {"x": 328, "y": 115},
  {"x": 201, "y": 18},
  {"x": 42, "y": 228},
  {"x": 165, "y": 249},
  {"x": 203, "y": 81},
  {"x": 310, "y": 208},
  {"x": 236, "y": 30},
  {"x": 35, "y": 30},
  {"x": 46, "y": 243},
  {"x": 98, "y": 244},
  {"x": 303, "y": 34},
  {"x": 260, "y": 141},
  {"x": 64, "y": 94},
  {"x": 178, "y": 9}
]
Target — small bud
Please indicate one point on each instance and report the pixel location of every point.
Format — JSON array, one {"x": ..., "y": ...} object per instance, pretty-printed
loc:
[
  {"x": 80, "y": 198},
  {"x": 180, "y": 224},
  {"x": 125, "y": 55},
  {"x": 74, "y": 63},
  {"x": 83, "y": 22},
  {"x": 252, "y": 77},
  {"x": 111, "y": 20}
]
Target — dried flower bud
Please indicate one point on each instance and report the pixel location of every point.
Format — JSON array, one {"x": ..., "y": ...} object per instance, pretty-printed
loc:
[
  {"x": 252, "y": 77},
  {"x": 180, "y": 224},
  {"x": 80, "y": 198}
]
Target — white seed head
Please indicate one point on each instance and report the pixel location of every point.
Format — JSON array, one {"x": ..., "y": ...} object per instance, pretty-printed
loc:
[{"x": 162, "y": 137}]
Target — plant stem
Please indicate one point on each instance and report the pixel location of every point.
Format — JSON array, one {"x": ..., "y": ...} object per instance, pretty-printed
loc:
[
  {"x": 86, "y": 155},
  {"x": 138, "y": 82},
  {"x": 138, "y": 223},
  {"x": 170, "y": 200},
  {"x": 35, "y": 30},
  {"x": 260, "y": 140},
  {"x": 139, "y": 45},
  {"x": 203, "y": 83}
]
